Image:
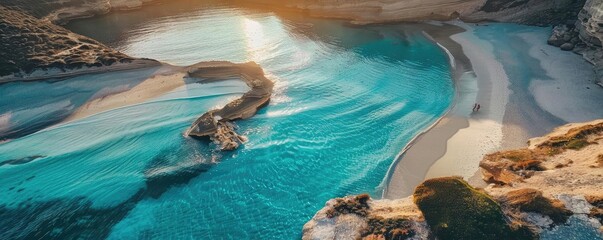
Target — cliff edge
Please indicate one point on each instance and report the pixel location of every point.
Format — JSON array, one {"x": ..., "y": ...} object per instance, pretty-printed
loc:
[
  {"x": 555, "y": 178},
  {"x": 32, "y": 49}
]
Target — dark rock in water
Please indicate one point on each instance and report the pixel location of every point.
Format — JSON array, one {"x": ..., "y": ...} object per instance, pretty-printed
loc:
[
  {"x": 455, "y": 210},
  {"x": 216, "y": 124},
  {"x": 20, "y": 160},
  {"x": 567, "y": 46}
]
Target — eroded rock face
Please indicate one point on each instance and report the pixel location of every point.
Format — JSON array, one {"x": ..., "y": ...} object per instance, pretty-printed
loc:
[
  {"x": 62, "y": 11},
  {"x": 590, "y": 22},
  {"x": 28, "y": 44},
  {"x": 590, "y": 27}
]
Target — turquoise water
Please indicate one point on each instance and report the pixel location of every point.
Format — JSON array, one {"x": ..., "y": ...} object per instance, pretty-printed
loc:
[{"x": 347, "y": 100}]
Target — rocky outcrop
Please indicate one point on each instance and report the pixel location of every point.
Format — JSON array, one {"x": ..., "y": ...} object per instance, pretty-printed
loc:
[
  {"x": 558, "y": 176},
  {"x": 455, "y": 210},
  {"x": 359, "y": 217},
  {"x": 62, "y": 11},
  {"x": 216, "y": 124},
  {"x": 33, "y": 49},
  {"x": 531, "y": 12},
  {"x": 590, "y": 22},
  {"x": 590, "y": 28}
]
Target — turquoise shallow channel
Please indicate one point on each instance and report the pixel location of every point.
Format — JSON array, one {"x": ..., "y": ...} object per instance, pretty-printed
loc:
[{"x": 347, "y": 100}]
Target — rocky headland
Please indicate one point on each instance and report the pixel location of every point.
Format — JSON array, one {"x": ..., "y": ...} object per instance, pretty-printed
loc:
[
  {"x": 217, "y": 124},
  {"x": 556, "y": 177},
  {"x": 32, "y": 49}
]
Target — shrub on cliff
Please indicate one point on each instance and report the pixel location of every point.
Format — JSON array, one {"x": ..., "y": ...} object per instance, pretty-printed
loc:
[{"x": 455, "y": 210}]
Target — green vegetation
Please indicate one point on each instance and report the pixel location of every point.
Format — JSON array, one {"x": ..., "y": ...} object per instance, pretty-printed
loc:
[{"x": 455, "y": 210}]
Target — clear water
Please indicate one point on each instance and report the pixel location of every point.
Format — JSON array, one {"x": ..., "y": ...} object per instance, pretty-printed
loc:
[{"x": 347, "y": 100}]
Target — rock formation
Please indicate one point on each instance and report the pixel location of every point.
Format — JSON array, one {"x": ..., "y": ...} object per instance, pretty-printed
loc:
[
  {"x": 216, "y": 124},
  {"x": 590, "y": 22},
  {"x": 557, "y": 176},
  {"x": 62, "y": 11},
  {"x": 584, "y": 36},
  {"x": 31, "y": 48},
  {"x": 590, "y": 27}
]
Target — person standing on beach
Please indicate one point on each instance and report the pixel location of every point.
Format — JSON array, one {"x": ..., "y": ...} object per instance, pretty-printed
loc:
[
  {"x": 474, "y": 107},
  {"x": 478, "y": 107}
]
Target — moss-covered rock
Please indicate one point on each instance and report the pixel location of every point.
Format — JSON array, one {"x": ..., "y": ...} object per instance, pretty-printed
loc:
[{"x": 455, "y": 210}]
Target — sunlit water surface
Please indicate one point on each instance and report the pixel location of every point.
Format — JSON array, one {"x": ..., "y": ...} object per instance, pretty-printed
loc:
[{"x": 347, "y": 100}]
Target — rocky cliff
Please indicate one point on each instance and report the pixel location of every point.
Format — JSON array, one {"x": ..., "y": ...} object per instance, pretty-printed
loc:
[
  {"x": 557, "y": 177},
  {"x": 536, "y": 12},
  {"x": 62, "y": 11},
  {"x": 584, "y": 36},
  {"x": 31, "y": 48},
  {"x": 590, "y": 29}
]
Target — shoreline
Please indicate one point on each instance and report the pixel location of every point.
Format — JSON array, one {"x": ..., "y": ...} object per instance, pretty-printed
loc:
[
  {"x": 457, "y": 141},
  {"x": 398, "y": 174}
]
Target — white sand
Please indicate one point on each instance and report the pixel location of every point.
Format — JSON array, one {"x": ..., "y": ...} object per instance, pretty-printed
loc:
[
  {"x": 484, "y": 133},
  {"x": 164, "y": 80},
  {"x": 457, "y": 144},
  {"x": 571, "y": 94}
]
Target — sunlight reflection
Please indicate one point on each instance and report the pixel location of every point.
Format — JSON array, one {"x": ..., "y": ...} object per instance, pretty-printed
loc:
[{"x": 255, "y": 39}]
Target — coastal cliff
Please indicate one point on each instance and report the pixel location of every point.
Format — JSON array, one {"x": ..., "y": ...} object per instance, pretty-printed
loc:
[
  {"x": 62, "y": 11},
  {"x": 533, "y": 12},
  {"x": 590, "y": 29},
  {"x": 557, "y": 177},
  {"x": 31, "y": 49}
]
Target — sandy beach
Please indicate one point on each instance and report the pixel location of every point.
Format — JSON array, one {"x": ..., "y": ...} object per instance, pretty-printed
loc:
[
  {"x": 510, "y": 112},
  {"x": 164, "y": 79}
]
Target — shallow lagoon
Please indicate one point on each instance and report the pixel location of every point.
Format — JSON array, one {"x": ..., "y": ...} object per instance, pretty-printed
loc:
[{"x": 347, "y": 100}]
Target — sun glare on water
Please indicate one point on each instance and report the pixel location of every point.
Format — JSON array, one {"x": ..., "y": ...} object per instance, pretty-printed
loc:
[{"x": 255, "y": 40}]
